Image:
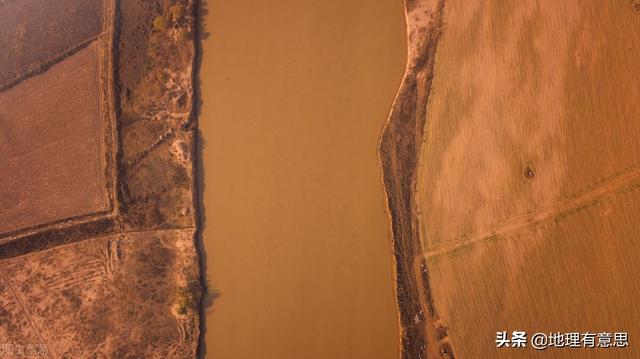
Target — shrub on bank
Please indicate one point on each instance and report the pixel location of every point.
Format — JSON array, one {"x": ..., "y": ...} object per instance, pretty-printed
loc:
[{"x": 160, "y": 23}]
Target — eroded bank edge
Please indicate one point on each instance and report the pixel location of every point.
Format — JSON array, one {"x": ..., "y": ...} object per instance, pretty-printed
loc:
[{"x": 400, "y": 147}]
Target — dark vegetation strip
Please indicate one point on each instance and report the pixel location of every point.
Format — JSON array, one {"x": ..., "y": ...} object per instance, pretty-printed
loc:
[
  {"x": 208, "y": 294},
  {"x": 54, "y": 237},
  {"x": 70, "y": 221},
  {"x": 400, "y": 149}
]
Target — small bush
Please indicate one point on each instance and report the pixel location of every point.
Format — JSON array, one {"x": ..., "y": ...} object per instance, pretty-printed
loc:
[
  {"x": 187, "y": 297},
  {"x": 177, "y": 13},
  {"x": 148, "y": 63},
  {"x": 160, "y": 23},
  {"x": 184, "y": 35},
  {"x": 184, "y": 299}
]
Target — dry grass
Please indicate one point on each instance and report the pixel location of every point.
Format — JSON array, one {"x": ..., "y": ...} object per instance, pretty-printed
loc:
[{"x": 106, "y": 297}]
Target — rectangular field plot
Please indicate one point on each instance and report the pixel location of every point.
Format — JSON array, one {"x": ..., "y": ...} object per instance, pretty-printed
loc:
[
  {"x": 34, "y": 33},
  {"x": 52, "y": 147}
]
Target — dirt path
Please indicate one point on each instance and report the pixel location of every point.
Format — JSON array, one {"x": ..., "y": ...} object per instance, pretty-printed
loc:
[
  {"x": 27, "y": 315},
  {"x": 562, "y": 209}
]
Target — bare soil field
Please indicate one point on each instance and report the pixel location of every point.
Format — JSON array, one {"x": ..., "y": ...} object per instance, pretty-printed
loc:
[
  {"x": 529, "y": 172},
  {"x": 34, "y": 34},
  {"x": 52, "y": 130}
]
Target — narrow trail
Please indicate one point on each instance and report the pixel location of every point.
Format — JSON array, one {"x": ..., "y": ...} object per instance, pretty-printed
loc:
[
  {"x": 27, "y": 315},
  {"x": 517, "y": 223}
]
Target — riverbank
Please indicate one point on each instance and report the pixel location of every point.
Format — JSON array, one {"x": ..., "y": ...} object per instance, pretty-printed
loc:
[{"x": 400, "y": 145}]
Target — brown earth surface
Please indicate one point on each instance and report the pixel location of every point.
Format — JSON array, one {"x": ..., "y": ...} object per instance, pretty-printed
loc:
[
  {"x": 510, "y": 164},
  {"x": 124, "y": 282},
  {"x": 527, "y": 185},
  {"x": 106, "y": 297},
  {"x": 155, "y": 123}
]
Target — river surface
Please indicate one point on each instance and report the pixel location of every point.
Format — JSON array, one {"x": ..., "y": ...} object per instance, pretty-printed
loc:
[{"x": 294, "y": 96}]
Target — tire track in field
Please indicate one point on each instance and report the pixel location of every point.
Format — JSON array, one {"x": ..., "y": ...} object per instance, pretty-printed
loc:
[
  {"x": 26, "y": 313},
  {"x": 519, "y": 222}
]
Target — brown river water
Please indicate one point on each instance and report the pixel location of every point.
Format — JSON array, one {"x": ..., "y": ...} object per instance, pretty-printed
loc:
[{"x": 294, "y": 96}]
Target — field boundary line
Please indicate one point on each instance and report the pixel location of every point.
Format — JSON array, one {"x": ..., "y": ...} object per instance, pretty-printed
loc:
[
  {"x": 47, "y": 65},
  {"x": 107, "y": 107},
  {"x": 118, "y": 233}
]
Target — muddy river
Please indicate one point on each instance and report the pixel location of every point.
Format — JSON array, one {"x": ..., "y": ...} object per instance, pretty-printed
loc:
[{"x": 294, "y": 97}]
